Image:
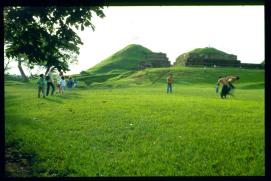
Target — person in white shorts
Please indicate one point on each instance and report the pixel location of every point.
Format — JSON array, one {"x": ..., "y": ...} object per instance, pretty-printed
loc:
[{"x": 63, "y": 85}]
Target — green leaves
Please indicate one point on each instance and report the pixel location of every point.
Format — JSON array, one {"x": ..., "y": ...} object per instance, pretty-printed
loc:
[{"x": 44, "y": 34}]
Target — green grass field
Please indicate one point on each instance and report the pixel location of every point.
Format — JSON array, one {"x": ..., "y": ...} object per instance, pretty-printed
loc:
[{"x": 129, "y": 126}]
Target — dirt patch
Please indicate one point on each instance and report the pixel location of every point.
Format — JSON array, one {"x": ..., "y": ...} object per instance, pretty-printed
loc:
[{"x": 17, "y": 164}]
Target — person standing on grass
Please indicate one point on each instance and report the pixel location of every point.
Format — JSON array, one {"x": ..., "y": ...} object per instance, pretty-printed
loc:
[
  {"x": 63, "y": 85},
  {"x": 169, "y": 83},
  {"x": 50, "y": 83},
  {"x": 59, "y": 82},
  {"x": 225, "y": 87},
  {"x": 75, "y": 82},
  {"x": 70, "y": 83},
  {"x": 41, "y": 86}
]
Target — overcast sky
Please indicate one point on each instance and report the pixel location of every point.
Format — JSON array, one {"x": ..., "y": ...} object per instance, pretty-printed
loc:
[{"x": 174, "y": 30}]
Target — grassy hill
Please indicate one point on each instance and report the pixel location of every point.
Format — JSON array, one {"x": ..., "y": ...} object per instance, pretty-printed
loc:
[
  {"x": 120, "y": 70},
  {"x": 127, "y": 58},
  {"x": 184, "y": 76}
]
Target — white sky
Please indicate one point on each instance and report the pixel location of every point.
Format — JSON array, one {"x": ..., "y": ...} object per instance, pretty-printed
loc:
[{"x": 174, "y": 30}]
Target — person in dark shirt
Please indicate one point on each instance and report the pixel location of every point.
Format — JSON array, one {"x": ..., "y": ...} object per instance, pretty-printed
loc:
[
  {"x": 70, "y": 83},
  {"x": 41, "y": 86}
]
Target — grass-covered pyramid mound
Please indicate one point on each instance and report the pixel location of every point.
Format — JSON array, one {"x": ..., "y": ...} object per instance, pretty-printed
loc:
[
  {"x": 127, "y": 58},
  {"x": 207, "y": 56},
  {"x": 208, "y": 51}
]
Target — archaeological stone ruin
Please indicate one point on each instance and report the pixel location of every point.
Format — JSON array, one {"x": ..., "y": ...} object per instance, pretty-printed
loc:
[
  {"x": 211, "y": 57},
  {"x": 154, "y": 60},
  {"x": 215, "y": 58}
]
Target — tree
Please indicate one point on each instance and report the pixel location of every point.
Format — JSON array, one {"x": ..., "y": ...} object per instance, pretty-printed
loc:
[
  {"x": 20, "y": 60},
  {"x": 6, "y": 64},
  {"x": 46, "y": 36}
]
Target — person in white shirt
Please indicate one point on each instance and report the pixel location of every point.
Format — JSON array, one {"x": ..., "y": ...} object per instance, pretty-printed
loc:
[
  {"x": 63, "y": 85},
  {"x": 50, "y": 82},
  {"x": 59, "y": 83}
]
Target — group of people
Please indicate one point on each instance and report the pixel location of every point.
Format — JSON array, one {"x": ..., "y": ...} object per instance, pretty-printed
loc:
[
  {"x": 48, "y": 81},
  {"x": 227, "y": 84}
]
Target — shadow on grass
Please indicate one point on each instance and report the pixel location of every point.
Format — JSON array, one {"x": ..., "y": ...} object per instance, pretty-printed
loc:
[
  {"x": 11, "y": 100},
  {"x": 69, "y": 95},
  {"x": 58, "y": 98},
  {"x": 11, "y": 97},
  {"x": 17, "y": 162},
  {"x": 53, "y": 99}
]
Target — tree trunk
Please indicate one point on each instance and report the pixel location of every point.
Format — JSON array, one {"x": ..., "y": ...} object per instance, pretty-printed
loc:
[
  {"x": 22, "y": 71},
  {"x": 6, "y": 67},
  {"x": 47, "y": 70}
]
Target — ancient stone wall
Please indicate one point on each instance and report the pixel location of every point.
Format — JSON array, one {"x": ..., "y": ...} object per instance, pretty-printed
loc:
[
  {"x": 252, "y": 66},
  {"x": 157, "y": 60},
  {"x": 213, "y": 61},
  {"x": 212, "y": 56}
]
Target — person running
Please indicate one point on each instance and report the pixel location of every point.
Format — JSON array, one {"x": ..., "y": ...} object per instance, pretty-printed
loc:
[
  {"x": 63, "y": 85},
  {"x": 225, "y": 87},
  {"x": 41, "y": 86},
  {"x": 169, "y": 83},
  {"x": 50, "y": 83},
  {"x": 232, "y": 79}
]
